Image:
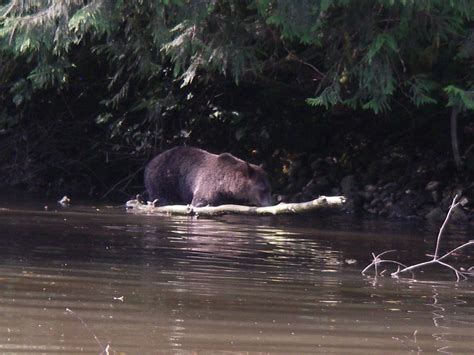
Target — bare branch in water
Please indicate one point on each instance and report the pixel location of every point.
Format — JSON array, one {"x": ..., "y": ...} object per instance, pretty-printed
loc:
[{"x": 461, "y": 274}]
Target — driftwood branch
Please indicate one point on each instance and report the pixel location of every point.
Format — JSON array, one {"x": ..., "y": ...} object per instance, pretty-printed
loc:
[
  {"x": 322, "y": 202},
  {"x": 436, "y": 258}
]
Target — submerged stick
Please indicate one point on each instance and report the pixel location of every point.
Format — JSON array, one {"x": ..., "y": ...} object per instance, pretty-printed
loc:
[
  {"x": 321, "y": 202},
  {"x": 105, "y": 350}
]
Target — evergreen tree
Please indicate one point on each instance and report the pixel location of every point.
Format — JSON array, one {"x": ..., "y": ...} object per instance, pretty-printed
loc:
[{"x": 138, "y": 63}]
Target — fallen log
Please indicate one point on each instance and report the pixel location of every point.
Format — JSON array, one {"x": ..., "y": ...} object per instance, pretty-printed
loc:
[{"x": 322, "y": 202}]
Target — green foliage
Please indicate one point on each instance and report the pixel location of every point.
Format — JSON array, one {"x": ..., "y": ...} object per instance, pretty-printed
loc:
[
  {"x": 140, "y": 59},
  {"x": 366, "y": 51},
  {"x": 378, "y": 49},
  {"x": 125, "y": 78},
  {"x": 328, "y": 97},
  {"x": 459, "y": 97},
  {"x": 420, "y": 88}
]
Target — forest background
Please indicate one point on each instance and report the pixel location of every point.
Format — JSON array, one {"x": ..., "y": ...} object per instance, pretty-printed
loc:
[{"x": 372, "y": 99}]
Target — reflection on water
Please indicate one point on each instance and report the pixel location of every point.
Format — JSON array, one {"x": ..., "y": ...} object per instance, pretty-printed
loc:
[{"x": 83, "y": 279}]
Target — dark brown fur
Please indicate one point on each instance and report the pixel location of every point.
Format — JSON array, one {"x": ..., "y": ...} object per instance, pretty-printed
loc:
[{"x": 187, "y": 175}]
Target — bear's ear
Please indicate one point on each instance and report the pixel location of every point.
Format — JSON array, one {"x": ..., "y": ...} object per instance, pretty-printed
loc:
[{"x": 226, "y": 157}]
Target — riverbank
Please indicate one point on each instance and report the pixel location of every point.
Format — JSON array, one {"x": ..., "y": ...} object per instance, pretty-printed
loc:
[{"x": 390, "y": 187}]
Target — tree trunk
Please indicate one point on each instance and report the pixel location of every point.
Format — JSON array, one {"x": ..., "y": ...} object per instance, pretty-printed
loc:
[{"x": 454, "y": 137}]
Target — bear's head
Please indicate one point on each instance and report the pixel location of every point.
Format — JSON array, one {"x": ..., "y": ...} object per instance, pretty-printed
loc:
[
  {"x": 245, "y": 182},
  {"x": 259, "y": 192}
]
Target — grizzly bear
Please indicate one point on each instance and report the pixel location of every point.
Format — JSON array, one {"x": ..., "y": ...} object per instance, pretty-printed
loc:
[{"x": 187, "y": 175}]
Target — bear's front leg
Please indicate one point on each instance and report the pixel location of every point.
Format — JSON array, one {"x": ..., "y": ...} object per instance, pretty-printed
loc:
[
  {"x": 204, "y": 198},
  {"x": 199, "y": 202},
  {"x": 206, "y": 193}
]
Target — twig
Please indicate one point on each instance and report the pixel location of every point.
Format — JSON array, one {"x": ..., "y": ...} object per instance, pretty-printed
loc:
[
  {"x": 377, "y": 261},
  {"x": 454, "y": 204},
  {"x": 292, "y": 56}
]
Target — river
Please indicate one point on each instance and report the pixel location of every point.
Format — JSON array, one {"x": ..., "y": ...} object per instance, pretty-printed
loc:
[{"x": 96, "y": 279}]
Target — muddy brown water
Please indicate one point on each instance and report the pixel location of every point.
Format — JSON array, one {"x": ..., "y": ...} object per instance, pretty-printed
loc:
[{"x": 89, "y": 279}]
